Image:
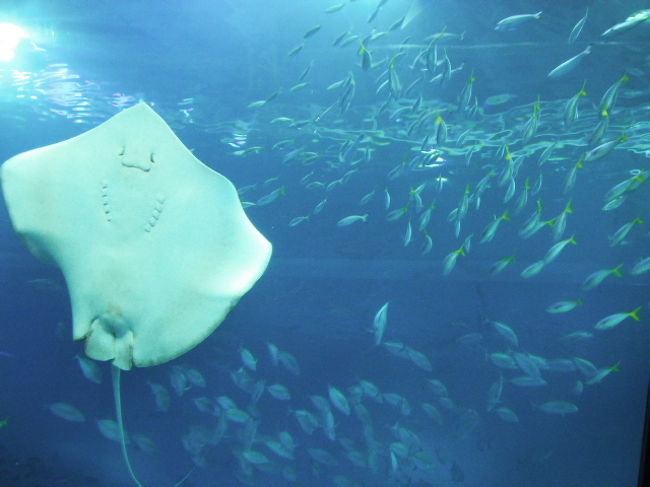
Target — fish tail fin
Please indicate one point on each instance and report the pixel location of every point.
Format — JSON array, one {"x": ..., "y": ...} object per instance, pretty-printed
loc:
[
  {"x": 634, "y": 314},
  {"x": 569, "y": 207},
  {"x": 617, "y": 270}
]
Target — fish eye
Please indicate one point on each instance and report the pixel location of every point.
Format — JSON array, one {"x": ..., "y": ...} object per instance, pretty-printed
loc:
[{"x": 636, "y": 172}]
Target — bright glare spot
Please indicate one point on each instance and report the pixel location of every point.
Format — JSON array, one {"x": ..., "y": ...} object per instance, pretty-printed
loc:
[{"x": 10, "y": 37}]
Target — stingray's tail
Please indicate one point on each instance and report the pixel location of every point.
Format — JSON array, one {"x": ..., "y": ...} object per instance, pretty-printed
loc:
[{"x": 115, "y": 372}]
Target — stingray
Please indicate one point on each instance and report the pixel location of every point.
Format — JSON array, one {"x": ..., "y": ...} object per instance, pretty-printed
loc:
[{"x": 154, "y": 246}]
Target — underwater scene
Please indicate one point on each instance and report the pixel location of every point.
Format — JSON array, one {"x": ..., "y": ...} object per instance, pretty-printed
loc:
[{"x": 419, "y": 255}]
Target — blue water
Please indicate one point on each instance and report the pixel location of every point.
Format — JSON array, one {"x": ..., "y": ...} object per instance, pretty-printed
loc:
[{"x": 200, "y": 64}]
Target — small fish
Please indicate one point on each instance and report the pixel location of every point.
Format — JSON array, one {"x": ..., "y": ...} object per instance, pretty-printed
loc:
[
  {"x": 506, "y": 332},
  {"x": 322, "y": 456},
  {"x": 161, "y": 397},
  {"x": 374, "y": 14},
  {"x": 503, "y": 360},
  {"x": 311, "y": 31},
  {"x": 236, "y": 415},
  {"x": 528, "y": 381},
  {"x": 506, "y": 414},
  {"x": 577, "y": 29},
  {"x": 298, "y": 86},
  {"x": 603, "y": 149},
  {"x": 408, "y": 234},
  {"x": 248, "y": 359},
  {"x": 109, "y": 429},
  {"x": 319, "y": 206},
  {"x": 623, "y": 231},
  {"x": 512, "y": 22},
  {"x": 397, "y": 24},
  {"x": 66, "y": 411},
  {"x": 342, "y": 36},
  {"x": 501, "y": 99},
  {"x": 204, "y": 404},
  {"x": 586, "y": 368},
  {"x": 432, "y": 412},
  {"x": 339, "y": 400},
  {"x": 602, "y": 373},
  {"x": 612, "y": 320},
  {"x": 296, "y": 50},
  {"x": 571, "y": 107},
  {"x": 527, "y": 364},
  {"x": 555, "y": 250},
  {"x": 226, "y": 403},
  {"x": 563, "y": 306},
  {"x": 307, "y": 421},
  {"x": 533, "y": 269},
  {"x": 578, "y": 388},
  {"x": 449, "y": 261},
  {"x": 195, "y": 377},
  {"x": 279, "y": 392},
  {"x": 178, "y": 380},
  {"x": 336, "y": 84},
  {"x": 501, "y": 264},
  {"x": 90, "y": 369},
  {"x": 349, "y": 40},
  {"x": 440, "y": 130},
  {"x": 279, "y": 120},
  {"x": 609, "y": 97},
  {"x": 272, "y": 196},
  {"x": 438, "y": 387},
  {"x": 558, "y": 407},
  {"x": 492, "y": 227},
  {"x": 595, "y": 278},
  {"x": 641, "y": 267},
  {"x": 257, "y": 104},
  {"x": 568, "y": 65},
  {"x": 289, "y": 362},
  {"x": 494, "y": 394},
  {"x": 334, "y": 8},
  {"x": 306, "y": 71},
  {"x": 274, "y": 353},
  {"x": 626, "y": 186},
  {"x": 349, "y": 220},
  {"x": 577, "y": 336},
  {"x": 419, "y": 359},
  {"x": 379, "y": 323},
  {"x": 397, "y": 213},
  {"x": 298, "y": 220},
  {"x": 366, "y": 60},
  {"x": 255, "y": 457},
  {"x": 632, "y": 21}
]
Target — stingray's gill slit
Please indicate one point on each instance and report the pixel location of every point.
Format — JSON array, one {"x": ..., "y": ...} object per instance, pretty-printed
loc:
[
  {"x": 155, "y": 213},
  {"x": 106, "y": 204}
]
